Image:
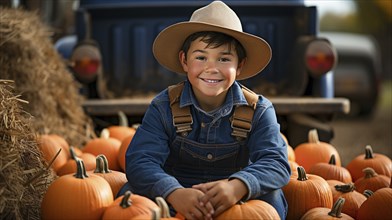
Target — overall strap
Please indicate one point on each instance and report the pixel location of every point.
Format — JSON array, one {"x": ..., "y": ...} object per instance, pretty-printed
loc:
[
  {"x": 241, "y": 121},
  {"x": 182, "y": 118}
]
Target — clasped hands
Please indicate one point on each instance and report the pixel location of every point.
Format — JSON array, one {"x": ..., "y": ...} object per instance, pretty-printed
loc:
[{"x": 207, "y": 200}]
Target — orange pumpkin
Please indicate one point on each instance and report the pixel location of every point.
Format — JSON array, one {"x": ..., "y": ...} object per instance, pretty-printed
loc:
[
  {"x": 78, "y": 152},
  {"x": 122, "y": 130},
  {"x": 293, "y": 166},
  {"x": 304, "y": 192},
  {"x": 353, "y": 198},
  {"x": 128, "y": 206},
  {"x": 251, "y": 209},
  {"x": 70, "y": 165},
  {"x": 78, "y": 196},
  {"x": 371, "y": 180},
  {"x": 116, "y": 179},
  {"x": 379, "y": 162},
  {"x": 160, "y": 213},
  {"x": 332, "y": 184},
  {"x": 290, "y": 153},
  {"x": 155, "y": 215},
  {"x": 314, "y": 151},
  {"x": 49, "y": 148},
  {"x": 322, "y": 213},
  {"x": 123, "y": 150},
  {"x": 377, "y": 206},
  {"x": 290, "y": 150},
  {"x": 107, "y": 146},
  {"x": 62, "y": 142},
  {"x": 330, "y": 171}
]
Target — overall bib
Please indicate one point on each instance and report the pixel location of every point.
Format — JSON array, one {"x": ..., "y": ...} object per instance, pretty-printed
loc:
[{"x": 193, "y": 163}]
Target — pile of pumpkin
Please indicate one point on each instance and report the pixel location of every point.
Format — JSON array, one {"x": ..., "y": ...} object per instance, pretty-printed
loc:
[{"x": 319, "y": 188}]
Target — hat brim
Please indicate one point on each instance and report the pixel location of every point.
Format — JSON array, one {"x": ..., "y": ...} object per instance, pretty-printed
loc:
[{"x": 168, "y": 43}]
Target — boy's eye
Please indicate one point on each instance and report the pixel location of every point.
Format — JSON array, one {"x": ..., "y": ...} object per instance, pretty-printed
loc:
[
  {"x": 200, "y": 58},
  {"x": 224, "y": 59}
]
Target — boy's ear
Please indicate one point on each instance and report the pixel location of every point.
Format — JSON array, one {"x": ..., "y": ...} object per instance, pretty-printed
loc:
[
  {"x": 240, "y": 65},
  {"x": 182, "y": 58}
]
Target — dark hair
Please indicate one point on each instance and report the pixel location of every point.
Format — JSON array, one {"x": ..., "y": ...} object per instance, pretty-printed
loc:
[{"x": 214, "y": 40}]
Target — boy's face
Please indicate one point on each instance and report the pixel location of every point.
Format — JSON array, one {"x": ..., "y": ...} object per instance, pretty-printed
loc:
[{"x": 211, "y": 71}]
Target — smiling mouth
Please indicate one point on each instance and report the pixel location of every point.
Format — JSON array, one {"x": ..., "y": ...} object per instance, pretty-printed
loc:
[{"x": 211, "y": 80}]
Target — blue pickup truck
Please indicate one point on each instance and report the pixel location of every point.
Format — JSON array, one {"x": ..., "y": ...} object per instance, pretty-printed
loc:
[{"x": 110, "y": 54}]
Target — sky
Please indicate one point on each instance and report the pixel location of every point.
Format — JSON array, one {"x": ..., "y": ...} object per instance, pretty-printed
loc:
[{"x": 335, "y": 6}]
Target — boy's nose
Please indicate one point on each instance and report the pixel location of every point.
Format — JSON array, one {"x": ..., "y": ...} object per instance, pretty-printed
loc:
[{"x": 211, "y": 67}]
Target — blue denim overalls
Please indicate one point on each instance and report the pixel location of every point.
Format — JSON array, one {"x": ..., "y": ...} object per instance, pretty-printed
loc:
[{"x": 192, "y": 161}]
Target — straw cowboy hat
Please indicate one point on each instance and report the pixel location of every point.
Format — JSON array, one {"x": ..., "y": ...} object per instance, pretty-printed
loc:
[{"x": 218, "y": 17}]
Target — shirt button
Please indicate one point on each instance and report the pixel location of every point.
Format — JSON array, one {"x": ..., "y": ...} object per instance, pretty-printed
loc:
[
  {"x": 203, "y": 125},
  {"x": 209, "y": 156}
]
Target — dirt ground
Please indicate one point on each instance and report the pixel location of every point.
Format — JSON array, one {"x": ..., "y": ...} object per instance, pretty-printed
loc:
[{"x": 353, "y": 134}]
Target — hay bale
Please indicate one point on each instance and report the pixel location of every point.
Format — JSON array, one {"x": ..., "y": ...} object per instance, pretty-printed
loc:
[
  {"x": 21, "y": 190},
  {"x": 28, "y": 57}
]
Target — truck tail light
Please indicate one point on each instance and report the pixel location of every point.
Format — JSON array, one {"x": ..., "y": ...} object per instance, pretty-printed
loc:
[
  {"x": 320, "y": 57},
  {"x": 86, "y": 62}
]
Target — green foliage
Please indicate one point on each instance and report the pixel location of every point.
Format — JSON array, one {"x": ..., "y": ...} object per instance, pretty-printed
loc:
[
  {"x": 371, "y": 17},
  {"x": 335, "y": 22}
]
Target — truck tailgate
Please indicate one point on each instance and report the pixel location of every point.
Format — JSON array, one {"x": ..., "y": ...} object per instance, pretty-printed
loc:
[{"x": 283, "y": 106}]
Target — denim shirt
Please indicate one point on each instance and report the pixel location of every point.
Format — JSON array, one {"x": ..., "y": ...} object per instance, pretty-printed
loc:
[{"x": 151, "y": 166}]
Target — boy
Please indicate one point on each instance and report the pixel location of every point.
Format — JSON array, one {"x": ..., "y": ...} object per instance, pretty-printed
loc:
[{"x": 208, "y": 142}]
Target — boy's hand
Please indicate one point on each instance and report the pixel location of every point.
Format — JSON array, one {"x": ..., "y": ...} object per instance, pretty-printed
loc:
[
  {"x": 222, "y": 194},
  {"x": 187, "y": 202}
]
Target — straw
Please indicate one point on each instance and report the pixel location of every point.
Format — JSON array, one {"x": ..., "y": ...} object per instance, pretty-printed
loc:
[{"x": 20, "y": 159}]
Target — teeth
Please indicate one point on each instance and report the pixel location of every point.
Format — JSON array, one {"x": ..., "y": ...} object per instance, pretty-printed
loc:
[{"x": 211, "y": 80}]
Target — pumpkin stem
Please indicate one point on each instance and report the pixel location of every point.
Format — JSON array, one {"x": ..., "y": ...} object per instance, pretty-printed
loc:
[
  {"x": 368, "y": 152},
  {"x": 102, "y": 164},
  {"x": 105, "y": 133},
  {"x": 368, "y": 193},
  {"x": 156, "y": 214},
  {"x": 165, "y": 212},
  {"x": 345, "y": 188},
  {"x": 99, "y": 165},
  {"x": 301, "y": 174},
  {"x": 126, "y": 200},
  {"x": 332, "y": 160},
  {"x": 313, "y": 136},
  {"x": 72, "y": 152},
  {"x": 240, "y": 202},
  {"x": 369, "y": 172},
  {"x": 122, "y": 118},
  {"x": 80, "y": 169},
  {"x": 135, "y": 126},
  {"x": 336, "y": 210}
]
